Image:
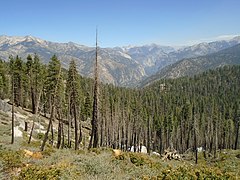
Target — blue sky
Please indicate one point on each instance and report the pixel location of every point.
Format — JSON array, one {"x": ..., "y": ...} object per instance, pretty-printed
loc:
[{"x": 121, "y": 22}]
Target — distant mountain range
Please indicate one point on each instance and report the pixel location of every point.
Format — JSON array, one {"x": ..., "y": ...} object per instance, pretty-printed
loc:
[
  {"x": 122, "y": 66},
  {"x": 193, "y": 66}
]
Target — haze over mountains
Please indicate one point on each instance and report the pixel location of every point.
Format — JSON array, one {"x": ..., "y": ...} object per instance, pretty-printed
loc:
[{"x": 122, "y": 66}]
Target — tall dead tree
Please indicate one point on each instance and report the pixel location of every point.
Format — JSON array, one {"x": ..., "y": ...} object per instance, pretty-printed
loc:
[
  {"x": 195, "y": 134},
  {"x": 237, "y": 124},
  {"x": 94, "y": 134},
  {"x": 12, "y": 141}
]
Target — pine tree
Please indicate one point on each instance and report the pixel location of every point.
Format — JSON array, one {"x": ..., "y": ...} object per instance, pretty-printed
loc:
[
  {"x": 52, "y": 84},
  {"x": 72, "y": 94},
  {"x": 4, "y": 80},
  {"x": 35, "y": 77},
  {"x": 16, "y": 68},
  {"x": 86, "y": 110}
]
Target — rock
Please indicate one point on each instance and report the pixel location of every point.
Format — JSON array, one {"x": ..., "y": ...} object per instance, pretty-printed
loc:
[
  {"x": 17, "y": 132},
  {"x": 37, "y": 155},
  {"x": 28, "y": 153},
  {"x": 4, "y": 106},
  {"x": 155, "y": 153},
  {"x": 200, "y": 149},
  {"x": 117, "y": 152},
  {"x": 141, "y": 149}
]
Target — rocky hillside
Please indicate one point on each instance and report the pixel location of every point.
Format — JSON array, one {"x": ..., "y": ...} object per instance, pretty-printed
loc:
[
  {"x": 116, "y": 67},
  {"x": 192, "y": 66},
  {"x": 154, "y": 57}
]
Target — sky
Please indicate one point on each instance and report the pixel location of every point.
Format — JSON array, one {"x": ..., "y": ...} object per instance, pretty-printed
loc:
[{"x": 121, "y": 22}]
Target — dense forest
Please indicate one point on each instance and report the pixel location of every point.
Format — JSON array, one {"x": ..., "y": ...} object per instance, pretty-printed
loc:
[{"x": 185, "y": 113}]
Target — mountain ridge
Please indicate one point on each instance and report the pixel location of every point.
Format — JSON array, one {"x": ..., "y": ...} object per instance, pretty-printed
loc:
[
  {"x": 197, "y": 65},
  {"x": 121, "y": 66}
]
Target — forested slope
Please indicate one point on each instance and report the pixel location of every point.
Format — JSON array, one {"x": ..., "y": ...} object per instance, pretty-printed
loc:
[{"x": 183, "y": 113}]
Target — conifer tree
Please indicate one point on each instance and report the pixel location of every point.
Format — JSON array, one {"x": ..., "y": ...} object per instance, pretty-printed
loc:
[
  {"x": 4, "y": 80},
  {"x": 16, "y": 68},
  {"x": 52, "y": 84},
  {"x": 72, "y": 94},
  {"x": 35, "y": 76}
]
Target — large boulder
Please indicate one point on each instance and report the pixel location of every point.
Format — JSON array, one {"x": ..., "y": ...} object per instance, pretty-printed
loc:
[{"x": 141, "y": 149}]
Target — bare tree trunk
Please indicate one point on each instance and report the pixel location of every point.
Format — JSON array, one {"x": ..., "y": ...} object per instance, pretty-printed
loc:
[
  {"x": 102, "y": 131},
  {"x": 181, "y": 136},
  {"x": 12, "y": 141},
  {"x": 52, "y": 133},
  {"x": 148, "y": 136},
  {"x": 237, "y": 134},
  {"x": 80, "y": 133},
  {"x": 94, "y": 135},
  {"x": 59, "y": 134},
  {"x": 25, "y": 126},
  {"x": 135, "y": 141},
  {"x": 30, "y": 136},
  {"x": 122, "y": 139},
  {"x": 69, "y": 125},
  {"x": 63, "y": 135},
  {"x": 160, "y": 139},
  {"x": 48, "y": 128},
  {"x": 33, "y": 96},
  {"x": 195, "y": 145},
  {"x": 118, "y": 136},
  {"x": 37, "y": 101},
  {"x": 216, "y": 140},
  {"x": 205, "y": 145},
  {"x": 75, "y": 126},
  {"x": 106, "y": 132},
  {"x": 127, "y": 133}
]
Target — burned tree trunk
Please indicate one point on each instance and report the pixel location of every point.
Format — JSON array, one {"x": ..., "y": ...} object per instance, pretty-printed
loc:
[
  {"x": 94, "y": 135},
  {"x": 12, "y": 141},
  {"x": 30, "y": 136}
]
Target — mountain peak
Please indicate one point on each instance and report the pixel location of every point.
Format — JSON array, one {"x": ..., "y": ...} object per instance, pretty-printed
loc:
[
  {"x": 32, "y": 38},
  {"x": 237, "y": 38}
]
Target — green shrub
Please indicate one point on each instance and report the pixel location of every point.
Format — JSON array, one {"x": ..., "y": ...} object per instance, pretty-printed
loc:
[
  {"x": 140, "y": 159},
  {"x": 11, "y": 159},
  {"x": 40, "y": 136},
  {"x": 187, "y": 172},
  {"x": 39, "y": 172}
]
